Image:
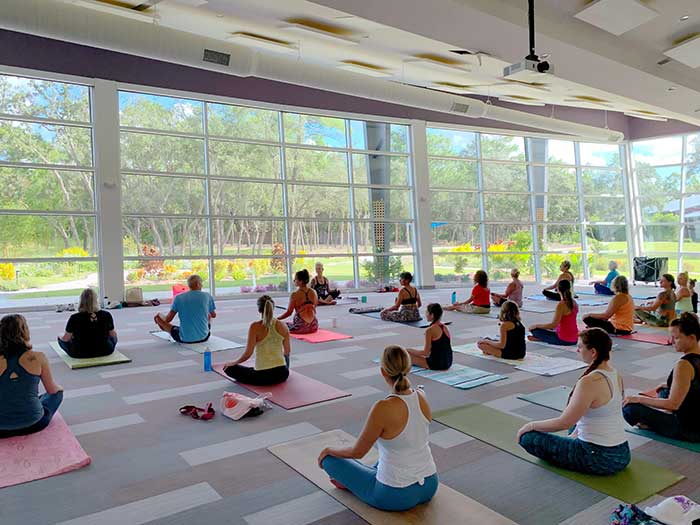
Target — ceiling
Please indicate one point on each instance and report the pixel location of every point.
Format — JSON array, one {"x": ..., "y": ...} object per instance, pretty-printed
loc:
[{"x": 592, "y": 68}]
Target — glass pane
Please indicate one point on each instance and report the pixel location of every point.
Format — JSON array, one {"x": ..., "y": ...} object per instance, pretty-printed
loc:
[
  {"x": 46, "y": 190},
  {"x": 321, "y": 166},
  {"x": 692, "y": 149},
  {"x": 46, "y": 283},
  {"x": 455, "y": 206},
  {"x": 502, "y": 147},
  {"x": 557, "y": 208},
  {"x": 456, "y": 237},
  {"x": 559, "y": 180},
  {"x": 455, "y": 268},
  {"x": 508, "y": 237},
  {"x": 156, "y": 277},
  {"x": 231, "y": 159},
  {"x": 158, "y": 194},
  {"x": 598, "y": 264},
  {"x": 44, "y": 99},
  {"x": 45, "y": 144},
  {"x": 559, "y": 238},
  {"x": 153, "y": 237},
  {"x": 691, "y": 212},
  {"x": 383, "y": 269},
  {"x": 139, "y": 110},
  {"x": 144, "y": 152},
  {"x": 379, "y": 136},
  {"x": 385, "y": 204},
  {"x": 384, "y": 237},
  {"x": 320, "y": 237},
  {"x": 606, "y": 238},
  {"x": 507, "y": 207},
  {"x": 692, "y": 177},
  {"x": 454, "y": 174},
  {"x": 326, "y": 202},
  {"x": 380, "y": 170},
  {"x": 659, "y": 238},
  {"x": 549, "y": 264},
  {"x": 314, "y": 130},
  {"x": 666, "y": 180},
  {"x": 602, "y": 182},
  {"x": 265, "y": 275},
  {"x": 659, "y": 210},
  {"x": 245, "y": 199},
  {"x": 451, "y": 143},
  {"x": 500, "y": 266},
  {"x": 502, "y": 177},
  {"x": 242, "y": 123},
  {"x": 606, "y": 155},
  {"x": 338, "y": 270},
  {"x": 560, "y": 152},
  {"x": 247, "y": 237},
  {"x": 690, "y": 264},
  {"x": 604, "y": 209},
  {"x": 29, "y": 236},
  {"x": 658, "y": 152}
]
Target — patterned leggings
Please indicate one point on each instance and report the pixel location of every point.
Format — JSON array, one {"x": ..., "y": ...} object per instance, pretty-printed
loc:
[
  {"x": 651, "y": 318},
  {"x": 576, "y": 455},
  {"x": 405, "y": 314},
  {"x": 299, "y": 326}
]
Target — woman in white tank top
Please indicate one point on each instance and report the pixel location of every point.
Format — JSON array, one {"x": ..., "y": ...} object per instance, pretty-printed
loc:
[
  {"x": 598, "y": 445},
  {"x": 405, "y": 475}
]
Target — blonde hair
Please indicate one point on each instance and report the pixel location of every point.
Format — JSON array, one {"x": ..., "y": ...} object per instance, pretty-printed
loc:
[
  {"x": 397, "y": 364},
  {"x": 88, "y": 302},
  {"x": 515, "y": 273},
  {"x": 509, "y": 312},
  {"x": 266, "y": 307},
  {"x": 685, "y": 275}
]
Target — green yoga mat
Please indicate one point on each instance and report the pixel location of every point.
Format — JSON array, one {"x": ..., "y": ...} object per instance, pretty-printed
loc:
[
  {"x": 555, "y": 398},
  {"x": 114, "y": 358},
  {"x": 636, "y": 483}
]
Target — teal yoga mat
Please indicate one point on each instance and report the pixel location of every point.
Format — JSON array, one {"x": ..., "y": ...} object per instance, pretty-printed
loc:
[{"x": 458, "y": 376}]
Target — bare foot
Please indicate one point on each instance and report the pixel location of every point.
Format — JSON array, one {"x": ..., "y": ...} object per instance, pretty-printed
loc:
[{"x": 532, "y": 338}]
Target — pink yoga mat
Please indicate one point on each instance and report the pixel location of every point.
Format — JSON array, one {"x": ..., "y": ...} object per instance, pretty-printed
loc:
[
  {"x": 297, "y": 391},
  {"x": 321, "y": 336},
  {"x": 645, "y": 337},
  {"x": 51, "y": 452}
]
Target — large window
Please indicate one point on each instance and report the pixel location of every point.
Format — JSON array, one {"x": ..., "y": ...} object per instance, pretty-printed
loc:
[
  {"x": 249, "y": 195},
  {"x": 48, "y": 249}
]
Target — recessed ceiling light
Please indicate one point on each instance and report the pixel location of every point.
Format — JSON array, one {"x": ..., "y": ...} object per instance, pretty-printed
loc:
[
  {"x": 684, "y": 18},
  {"x": 264, "y": 42},
  {"x": 219, "y": 16},
  {"x": 319, "y": 29},
  {"x": 526, "y": 101}
]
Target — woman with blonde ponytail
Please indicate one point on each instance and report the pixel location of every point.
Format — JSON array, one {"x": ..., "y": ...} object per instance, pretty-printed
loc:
[
  {"x": 269, "y": 338},
  {"x": 405, "y": 475}
]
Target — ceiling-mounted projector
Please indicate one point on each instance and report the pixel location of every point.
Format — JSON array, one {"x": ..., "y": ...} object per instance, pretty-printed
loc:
[{"x": 531, "y": 66}]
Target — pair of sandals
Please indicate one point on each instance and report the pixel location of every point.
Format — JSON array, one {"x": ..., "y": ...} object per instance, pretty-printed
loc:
[{"x": 194, "y": 412}]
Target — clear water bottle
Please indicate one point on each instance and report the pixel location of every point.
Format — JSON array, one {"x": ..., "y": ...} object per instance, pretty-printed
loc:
[
  {"x": 454, "y": 297},
  {"x": 207, "y": 361}
]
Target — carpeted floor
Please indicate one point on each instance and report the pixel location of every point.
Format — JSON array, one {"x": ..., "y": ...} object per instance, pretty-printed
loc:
[{"x": 127, "y": 420}]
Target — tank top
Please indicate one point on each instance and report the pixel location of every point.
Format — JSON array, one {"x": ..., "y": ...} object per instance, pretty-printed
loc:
[
  {"x": 321, "y": 287},
  {"x": 623, "y": 318},
  {"x": 406, "y": 459},
  {"x": 269, "y": 352},
  {"x": 567, "y": 329},
  {"x": 411, "y": 298},
  {"x": 684, "y": 305},
  {"x": 687, "y": 413},
  {"x": 515, "y": 342},
  {"x": 604, "y": 425},
  {"x": 667, "y": 308},
  {"x": 441, "y": 350},
  {"x": 20, "y": 407},
  {"x": 517, "y": 294}
]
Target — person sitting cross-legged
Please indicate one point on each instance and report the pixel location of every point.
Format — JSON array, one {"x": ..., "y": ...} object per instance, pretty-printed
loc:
[
  {"x": 437, "y": 350},
  {"x": 618, "y": 317},
  {"x": 89, "y": 332},
  {"x": 511, "y": 342},
  {"x": 195, "y": 308}
]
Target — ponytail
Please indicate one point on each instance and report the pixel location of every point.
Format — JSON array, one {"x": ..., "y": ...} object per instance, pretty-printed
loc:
[
  {"x": 564, "y": 289},
  {"x": 266, "y": 307},
  {"x": 397, "y": 364}
]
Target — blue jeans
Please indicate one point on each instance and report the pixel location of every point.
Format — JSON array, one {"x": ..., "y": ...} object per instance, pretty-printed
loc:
[
  {"x": 550, "y": 337},
  {"x": 50, "y": 402},
  {"x": 67, "y": 347},
  {"x": 361, "y": 480},
  {"x": 574, "y": 454},
  {"x": 601, "y": 289},
  {"x": 663, "y": 423}
]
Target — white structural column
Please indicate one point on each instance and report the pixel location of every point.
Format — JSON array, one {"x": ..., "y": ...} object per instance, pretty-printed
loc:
[
  {"x": 633, "y": 212},
  {"x": 105, "y": 107},
  {"x": 421, "y": 185}
]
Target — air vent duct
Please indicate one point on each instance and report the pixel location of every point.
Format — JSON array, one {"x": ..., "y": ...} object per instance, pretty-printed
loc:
[{"x": 459, "y": 107}]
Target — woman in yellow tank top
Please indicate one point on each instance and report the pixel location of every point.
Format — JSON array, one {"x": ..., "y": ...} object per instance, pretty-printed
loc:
[
  {"x": 618, "y": 319},
  {"x": 269, "y": 338}
]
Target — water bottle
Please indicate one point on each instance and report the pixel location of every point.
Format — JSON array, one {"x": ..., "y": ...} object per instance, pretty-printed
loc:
[
  {"x": 454, "y": 297},
  {"x": 207, "y": 361}
]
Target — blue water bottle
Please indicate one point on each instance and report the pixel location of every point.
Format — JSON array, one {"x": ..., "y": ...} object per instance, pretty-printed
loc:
[
  {"x": 454, "y": 297},
  {"x": 207, "y": 361}
]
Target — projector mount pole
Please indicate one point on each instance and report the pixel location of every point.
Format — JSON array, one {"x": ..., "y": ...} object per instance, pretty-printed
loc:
[{"x": 531, "y": 29}]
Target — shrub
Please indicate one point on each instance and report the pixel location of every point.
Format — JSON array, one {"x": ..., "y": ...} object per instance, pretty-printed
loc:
[
  {"x": 74, "y": 251},
  {"x": 7, "y": 271}
]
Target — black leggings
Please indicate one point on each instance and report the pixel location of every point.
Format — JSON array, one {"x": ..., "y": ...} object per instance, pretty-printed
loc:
[
  {"x": 592, "y": 322},
  {"x": 552, "y": 296},
  {"x": 249, "y": 376}
]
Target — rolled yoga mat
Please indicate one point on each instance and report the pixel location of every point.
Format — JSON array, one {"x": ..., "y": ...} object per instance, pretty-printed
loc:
[
  {"x": 115, "y": 358},
  {"x": 447, "y": 506},
  {"x": 556, "y": 398},
  {"x": 637, "y": 482}
]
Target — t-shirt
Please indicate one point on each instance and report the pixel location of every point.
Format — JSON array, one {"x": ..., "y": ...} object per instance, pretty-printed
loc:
[
  {"x": 481, "y": 296},
  {"x": 610, "y": 277},
  {"x": 90, "y": 333},
  {"x": 193, "y": 308}
]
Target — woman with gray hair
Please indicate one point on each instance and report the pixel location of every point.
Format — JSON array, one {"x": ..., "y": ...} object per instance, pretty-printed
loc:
[{"x": 89, "y": 332}]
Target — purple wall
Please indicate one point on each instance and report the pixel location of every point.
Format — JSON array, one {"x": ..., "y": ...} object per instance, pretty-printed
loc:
[{"x": 33, "y": 52}]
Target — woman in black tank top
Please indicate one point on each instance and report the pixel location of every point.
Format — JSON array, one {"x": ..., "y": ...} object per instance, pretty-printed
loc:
[
  {"x": 511, "y": 344},
  {"x": 405, "y": 308},
  {"x": 437, "y": 351},
  {"x": 323, "y": 287}
]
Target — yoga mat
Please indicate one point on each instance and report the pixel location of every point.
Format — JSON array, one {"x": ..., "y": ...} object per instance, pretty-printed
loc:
[
  {"x": 213, "y": 344},
  {"x": 114, "y": 358},
  {"x": 636, "y": 483},
  {"x": 297, "y": 391},
  {"x": 555, "y": 398},
  {"x": 447, "y": 506},
  {"x": 460, "y": 376},
  {"x": 646, "y": 337},
  {"x": 321, "y": 336},
  {"x": 51, "y": 452},
  {"x": 414, "y": 368},
  {"x": 493, "y": 314},
  {"x": 347, "y": 300},
  {"x": 537, "y": 309},
  {"x": 415, "y": 324},
  {"x": 534, "y": 363},
  {"x": 365, "y": 309}
]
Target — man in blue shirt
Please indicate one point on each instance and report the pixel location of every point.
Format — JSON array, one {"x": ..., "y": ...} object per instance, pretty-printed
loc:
[
  {"x": 196, "y": 309},
  {"x": 604, "y": 287}
]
